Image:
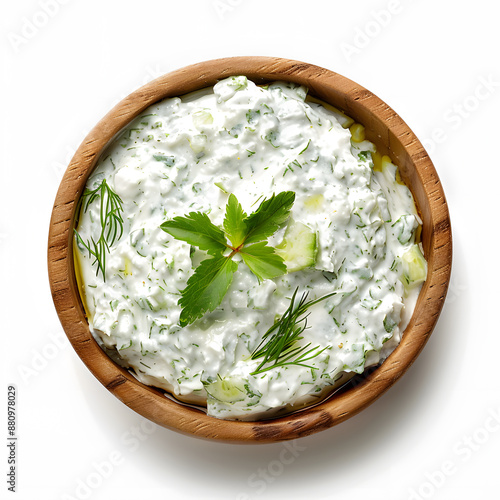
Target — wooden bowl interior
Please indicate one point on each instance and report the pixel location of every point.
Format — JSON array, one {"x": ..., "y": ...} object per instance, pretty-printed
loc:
[{"x": 383, "y": 127}]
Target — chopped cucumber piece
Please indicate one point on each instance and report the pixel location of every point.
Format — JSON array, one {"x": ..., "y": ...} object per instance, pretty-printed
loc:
[
  {"x": 128, "y": 267},
  {"x": 389, "y": 324},
  {"x": 227, "y": 390},
  {"x": 314, "y": 202},
  {"x": 198, "y": 143},
  {"x": 405, "y": 227},
  {"x": 299, "y": 247},
  {"x": 201, "y": 118},
  {"x": 414, "y": 267}
]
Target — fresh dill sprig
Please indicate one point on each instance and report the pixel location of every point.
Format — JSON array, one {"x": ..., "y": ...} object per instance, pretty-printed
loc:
[
  {"x": 278, "y": 348},
  {"x": 111, "y": 224}
]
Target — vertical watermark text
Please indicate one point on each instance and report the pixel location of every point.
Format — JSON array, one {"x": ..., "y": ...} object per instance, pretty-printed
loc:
[{"x": 11, "y": 438}]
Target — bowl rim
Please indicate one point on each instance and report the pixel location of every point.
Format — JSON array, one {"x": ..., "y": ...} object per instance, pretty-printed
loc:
[{"x": 386, "y": 129}]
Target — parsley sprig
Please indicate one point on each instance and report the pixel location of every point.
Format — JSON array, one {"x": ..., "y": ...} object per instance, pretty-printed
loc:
[
  {"x": 110, "y": 223},
  {"x": 241, "y": 234},
  {"x": 279, "y": 344}
]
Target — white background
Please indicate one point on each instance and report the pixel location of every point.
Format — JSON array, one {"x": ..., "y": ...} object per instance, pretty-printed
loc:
[{"x": 434, "y": 434}]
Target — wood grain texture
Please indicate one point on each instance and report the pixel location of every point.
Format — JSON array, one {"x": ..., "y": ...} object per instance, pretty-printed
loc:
[{"x": 391, "y": 135}]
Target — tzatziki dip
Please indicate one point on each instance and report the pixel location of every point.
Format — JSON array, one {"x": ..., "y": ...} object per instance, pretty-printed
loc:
[{"x": 245, "y": 248}]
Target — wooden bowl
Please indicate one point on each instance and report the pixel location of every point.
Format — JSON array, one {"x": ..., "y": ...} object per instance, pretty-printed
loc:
[{"x": 383, "y": 127}]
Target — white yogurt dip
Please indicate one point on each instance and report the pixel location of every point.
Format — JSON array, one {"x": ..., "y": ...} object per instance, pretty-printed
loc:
[{"x": 187, "y": 155}]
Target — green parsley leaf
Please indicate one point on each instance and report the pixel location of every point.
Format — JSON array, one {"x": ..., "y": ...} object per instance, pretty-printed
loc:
[
  {"x": 206, "y": 288},
  {"x": 266, "y": 219},
  {"x": 234, "y": 222},
  {"x": 196, "y": 229},
  {"x": 263, "y": 261}
]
